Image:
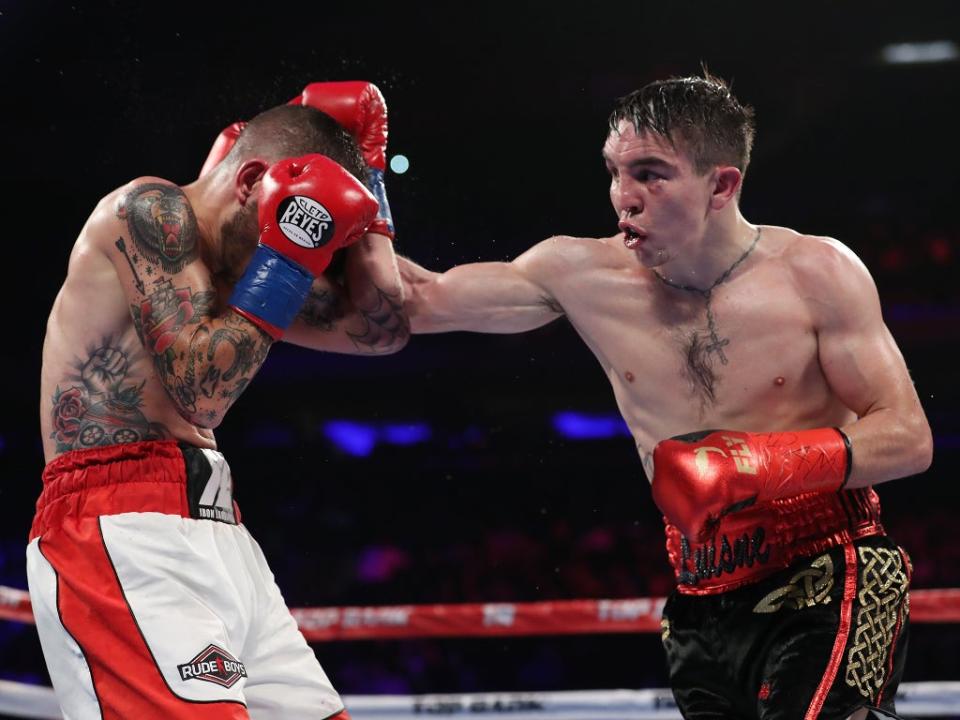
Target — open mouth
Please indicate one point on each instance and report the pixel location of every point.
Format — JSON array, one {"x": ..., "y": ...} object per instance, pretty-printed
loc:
[{"x": 632, "y": 236}]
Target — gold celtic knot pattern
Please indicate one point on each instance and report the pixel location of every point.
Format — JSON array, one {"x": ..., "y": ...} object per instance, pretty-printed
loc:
[
  {"x": 882, "y": 594},
  {"x": 808, "y": 587}
]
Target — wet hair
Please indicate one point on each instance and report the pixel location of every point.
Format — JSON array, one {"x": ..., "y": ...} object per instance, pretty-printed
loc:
[
  {"x": 713, "y": 127},
  {"x": 292, "y": 131}
]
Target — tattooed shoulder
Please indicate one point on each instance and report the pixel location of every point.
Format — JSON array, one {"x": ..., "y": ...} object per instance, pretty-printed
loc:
[{"x": 161, "y": 224}]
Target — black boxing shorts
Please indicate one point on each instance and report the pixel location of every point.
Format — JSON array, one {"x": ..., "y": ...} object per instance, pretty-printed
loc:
[{"x": 819, "y": 639}]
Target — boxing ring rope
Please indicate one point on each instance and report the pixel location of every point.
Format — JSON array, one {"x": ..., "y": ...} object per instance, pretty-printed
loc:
[{"x": 558, "y": 617}]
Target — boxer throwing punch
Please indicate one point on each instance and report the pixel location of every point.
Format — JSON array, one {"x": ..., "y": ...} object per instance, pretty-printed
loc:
[
  {"x": 151, "y": 600},
  {"x": 765, "y": 396}
]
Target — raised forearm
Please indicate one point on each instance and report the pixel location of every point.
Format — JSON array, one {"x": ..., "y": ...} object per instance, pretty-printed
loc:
[
  {"x": 208, "y": 363},
  {"x": 363, "y": 315},
  {"x": 377, "y": 323}
]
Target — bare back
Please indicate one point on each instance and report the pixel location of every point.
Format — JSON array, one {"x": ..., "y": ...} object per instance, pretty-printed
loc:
[{"x": 99, "y": 385}]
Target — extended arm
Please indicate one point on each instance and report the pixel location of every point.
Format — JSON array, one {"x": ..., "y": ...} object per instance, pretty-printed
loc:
[{"x": 491, "y": 297}]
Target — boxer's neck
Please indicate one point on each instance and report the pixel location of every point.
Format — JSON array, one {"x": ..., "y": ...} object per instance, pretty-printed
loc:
[
  {"x": 212, "y": 200},
  {"x": 700, "y": 263}
]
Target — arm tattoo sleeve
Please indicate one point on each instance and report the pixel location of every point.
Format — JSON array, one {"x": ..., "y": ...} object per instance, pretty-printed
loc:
[
  {"x": 322, "y": 309},
  {"x": 383, "y": 325},
  {"x": 203, "y": 361},
  {"x": 218, "y": 363}
]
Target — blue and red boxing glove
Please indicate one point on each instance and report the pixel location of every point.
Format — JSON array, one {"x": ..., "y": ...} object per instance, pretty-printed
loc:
[
  {"x": 359, "y": 107},
  {"x": 309, "y": 208}
]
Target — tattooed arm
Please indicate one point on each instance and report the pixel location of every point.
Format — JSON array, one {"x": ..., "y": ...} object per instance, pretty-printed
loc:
[
  {"x": 203, "y": 357},
  {"x": 364, "y": 318}
]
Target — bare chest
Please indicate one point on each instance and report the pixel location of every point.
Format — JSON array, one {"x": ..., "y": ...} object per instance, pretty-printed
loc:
[{"x": 746, "y": 356}]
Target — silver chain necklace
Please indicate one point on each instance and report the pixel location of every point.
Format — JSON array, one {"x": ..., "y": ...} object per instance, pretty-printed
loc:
[{"x": 716, "y": 342}]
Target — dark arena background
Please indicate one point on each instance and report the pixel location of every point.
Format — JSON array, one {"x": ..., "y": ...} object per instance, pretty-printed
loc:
[{"x": 480, "y": 468}]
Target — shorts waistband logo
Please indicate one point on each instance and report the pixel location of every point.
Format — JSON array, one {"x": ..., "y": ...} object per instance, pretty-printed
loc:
[{"x": 209, "y": 486}]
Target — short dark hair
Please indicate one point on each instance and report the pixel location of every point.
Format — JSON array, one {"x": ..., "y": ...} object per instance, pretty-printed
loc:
[
  {"x": 714, "y": 127},
  {"x": 293, "y": 130}
]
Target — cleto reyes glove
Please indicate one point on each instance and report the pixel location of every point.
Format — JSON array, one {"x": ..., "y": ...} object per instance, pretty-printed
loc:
[
  {"x": 359, "y": 107},
  {"x": 309, "y": 208},
  {"x": 701, "y": 477}
]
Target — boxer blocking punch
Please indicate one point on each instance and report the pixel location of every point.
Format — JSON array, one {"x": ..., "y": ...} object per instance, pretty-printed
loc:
[
  {"x": 765, "y": 396},
  {"x": 309, "y": 208},
  {"x": 359, "y": 108},
  {"x": 151, "y": 598}
]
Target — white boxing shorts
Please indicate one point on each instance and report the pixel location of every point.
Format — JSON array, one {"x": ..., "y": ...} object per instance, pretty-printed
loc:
[{"x": 152, "y": 601}]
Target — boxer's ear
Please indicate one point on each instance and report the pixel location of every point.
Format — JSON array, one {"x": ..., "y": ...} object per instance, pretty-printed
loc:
[
  {"x": 726, "y": 184},
  {"x": 248, "y": 176}
]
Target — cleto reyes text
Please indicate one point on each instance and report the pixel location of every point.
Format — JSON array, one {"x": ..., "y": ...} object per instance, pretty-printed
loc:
[{"x": 305, "y": 221}]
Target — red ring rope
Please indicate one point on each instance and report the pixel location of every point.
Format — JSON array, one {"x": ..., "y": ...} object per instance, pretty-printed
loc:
[{"x": 553, "y": 617}]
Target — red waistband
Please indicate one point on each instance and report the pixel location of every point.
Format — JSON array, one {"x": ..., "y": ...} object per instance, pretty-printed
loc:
[
  {"x": 87, "y": 483},
  {"x": 758, "y": 541}
]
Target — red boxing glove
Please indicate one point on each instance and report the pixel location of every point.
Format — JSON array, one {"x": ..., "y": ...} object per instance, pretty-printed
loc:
[
  {"x": 701, "y": 477},
  {"x": 309, "y": 208},
  {"x": 360, "y": 108},
  {"x": 221, "y": 146}
]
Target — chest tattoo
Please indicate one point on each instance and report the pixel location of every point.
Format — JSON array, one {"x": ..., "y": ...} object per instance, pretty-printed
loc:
[{"x": 702, "y": 352}]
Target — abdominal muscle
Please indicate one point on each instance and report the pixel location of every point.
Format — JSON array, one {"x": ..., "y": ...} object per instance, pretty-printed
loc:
[{"x": 650, "y": 422}]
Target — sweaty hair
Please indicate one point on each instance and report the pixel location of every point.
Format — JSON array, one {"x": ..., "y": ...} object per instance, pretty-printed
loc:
[
  {"x": 713, "y": 126},
  {"x": 291, "y": 131}
]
